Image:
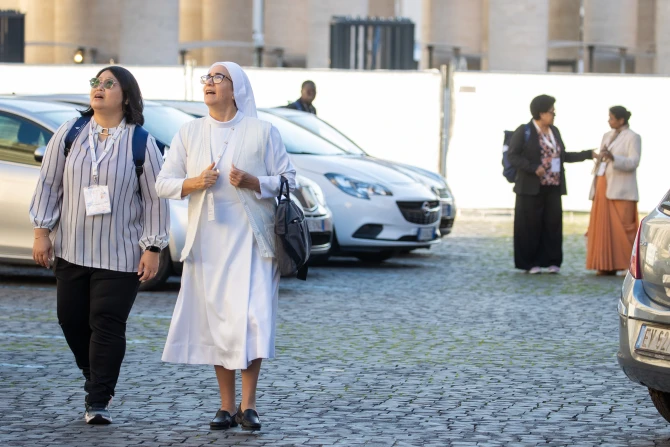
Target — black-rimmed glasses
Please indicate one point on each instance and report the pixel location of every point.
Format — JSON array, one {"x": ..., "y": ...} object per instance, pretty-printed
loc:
[
  {"x": 106, "y": 84},
  {"x": 217, "y": 78}
]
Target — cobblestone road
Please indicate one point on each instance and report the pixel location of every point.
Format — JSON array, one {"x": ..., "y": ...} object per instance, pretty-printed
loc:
[{"x": 448, "y": 347}]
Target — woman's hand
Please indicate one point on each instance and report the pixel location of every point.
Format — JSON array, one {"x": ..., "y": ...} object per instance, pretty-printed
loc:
[
  {"x": 208, "y": 177},
  {"x": 148, "y": 265},
  {"x": 606, "y": 155},
  {"x": 241, "y": 179},
  {"x": 540, "y": 172},
  {"x": 42, "y": 247}
]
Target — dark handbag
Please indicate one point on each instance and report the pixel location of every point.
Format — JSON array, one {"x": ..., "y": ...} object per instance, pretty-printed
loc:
[{"x": 293, "y": 241}]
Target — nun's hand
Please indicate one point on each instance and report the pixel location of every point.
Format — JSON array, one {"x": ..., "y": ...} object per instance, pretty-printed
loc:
[
  {"x": 208, "y": 177},
  {"x": 241, "y": 179}
]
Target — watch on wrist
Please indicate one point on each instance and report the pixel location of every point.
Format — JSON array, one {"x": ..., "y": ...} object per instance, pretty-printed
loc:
[{"x": 154, "y": 249}]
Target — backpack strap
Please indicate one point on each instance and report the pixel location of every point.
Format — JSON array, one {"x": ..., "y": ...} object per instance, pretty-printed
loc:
[
  {"x": 526, "y": 133},
  {"x": 140, "y": 137},
  {"x": 74, "y": 132}
]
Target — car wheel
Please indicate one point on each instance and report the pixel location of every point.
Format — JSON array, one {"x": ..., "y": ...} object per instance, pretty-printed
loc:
[
  {"x": 164, "y": 272},
  {"x": 661, "y": 401},
  {"x": 375, "y": 257}
]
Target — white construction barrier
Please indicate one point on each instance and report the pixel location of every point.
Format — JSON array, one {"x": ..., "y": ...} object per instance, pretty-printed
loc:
[
  {"x": 486, "y": 104},
  {"x": 391, "y": 114}
]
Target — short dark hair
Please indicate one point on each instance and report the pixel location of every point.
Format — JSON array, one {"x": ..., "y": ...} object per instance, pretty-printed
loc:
[
  {"x": 620, "y": 112},
  {"x": 541, "y": 104},
  {"x": 306, "y": 83},
  {"x": 131, "y": 93}
]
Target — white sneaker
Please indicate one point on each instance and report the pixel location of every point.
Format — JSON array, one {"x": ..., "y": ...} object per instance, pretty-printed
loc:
[
  {"x": 554, "y": 269},
  {"x": 534, "y": 271}
]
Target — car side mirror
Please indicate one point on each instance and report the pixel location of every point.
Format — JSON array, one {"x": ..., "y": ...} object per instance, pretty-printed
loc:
[{"x": 39, "y": 153}]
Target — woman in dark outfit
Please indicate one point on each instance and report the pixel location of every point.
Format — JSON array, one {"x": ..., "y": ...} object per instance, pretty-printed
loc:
[{"x": 538, "y": 154}]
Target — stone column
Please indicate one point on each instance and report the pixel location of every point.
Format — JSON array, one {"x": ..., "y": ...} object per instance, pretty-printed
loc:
[
  {"x": 613, "y": 24},
  {"x": 40, "y": 27},
  {"x": 518, "y": 35},
  {"x": 190, "y": 26},
  {"x": 382, "y": 8},
  {"x": 663, "y": 37},
  {"x": 74, "y": 24},
  {"x": 286, "y": 27},
  {"x": 646, "y": 36},
  {"x": 149, "y": 32},
  {"x": 108, "y": 30},
  {"x": 320, "y": 14},
  {"x": 228, "y": 20},
  {"x": 449, "y": 24},
  {"x": 564, "y": 26}
]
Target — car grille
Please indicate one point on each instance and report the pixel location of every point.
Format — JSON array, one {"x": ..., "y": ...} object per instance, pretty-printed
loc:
[{"x": 422, "y": 213}]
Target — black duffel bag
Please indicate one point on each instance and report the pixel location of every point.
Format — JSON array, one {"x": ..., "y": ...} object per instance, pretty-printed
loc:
[{"x": 293, "y": 242}]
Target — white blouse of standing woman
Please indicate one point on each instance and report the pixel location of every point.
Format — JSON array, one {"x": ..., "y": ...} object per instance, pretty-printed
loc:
[{"x": 229, "y": 164}]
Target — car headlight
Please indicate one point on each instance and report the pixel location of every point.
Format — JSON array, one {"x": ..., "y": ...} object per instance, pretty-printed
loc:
[
  {"x": 312, "y": 189},
  {"x": 357, "y": 188},
  {"x": 442, "y": 193}
]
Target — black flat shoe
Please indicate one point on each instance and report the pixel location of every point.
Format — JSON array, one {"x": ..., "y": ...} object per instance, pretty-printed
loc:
[
  {"x": 223, "y": 421},
  {"x": 248, "y": 419}
]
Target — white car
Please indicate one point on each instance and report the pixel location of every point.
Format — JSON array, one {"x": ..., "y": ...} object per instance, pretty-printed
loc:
[
  {"x": 378, "y": 210},
  {"x": 431, "y": 179}
]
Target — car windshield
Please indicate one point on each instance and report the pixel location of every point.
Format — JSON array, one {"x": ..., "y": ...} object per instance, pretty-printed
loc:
[
  {"x": 325, "y": 130},
  {"x": 298, "y": 140},
  {"x": 164, "y": 122},
  {"x": 58, "y": 117}
]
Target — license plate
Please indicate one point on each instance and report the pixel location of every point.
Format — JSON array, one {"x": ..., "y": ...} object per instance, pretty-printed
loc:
[
  {"x": 653, "y": 339},
  {"x": 314, "y": 225},
  {"x": 446, "y": 210},
  {"x": 426, "y": 234}
]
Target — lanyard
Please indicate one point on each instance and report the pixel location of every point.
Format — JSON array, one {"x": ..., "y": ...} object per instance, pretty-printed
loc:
[
  {"x": 109, "y": 144},
  {"x": 208, "y": 133},
  {"x": 551, "y": 142}
]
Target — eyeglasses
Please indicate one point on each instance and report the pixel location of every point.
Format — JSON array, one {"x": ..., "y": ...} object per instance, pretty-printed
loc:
[
  {"x": 106, "y": 84},
  {"x": 217, "y": 78}
]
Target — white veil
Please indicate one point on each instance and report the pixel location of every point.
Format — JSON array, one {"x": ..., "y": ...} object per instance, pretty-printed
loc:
[{"x": 244, "y": 95}]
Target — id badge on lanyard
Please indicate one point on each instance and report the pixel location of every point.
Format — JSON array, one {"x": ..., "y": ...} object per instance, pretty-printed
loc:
[
  {"x": 556, "y": 156},
  {"x": 209, "y": 196},
  {"x": 96, "y": 196}
]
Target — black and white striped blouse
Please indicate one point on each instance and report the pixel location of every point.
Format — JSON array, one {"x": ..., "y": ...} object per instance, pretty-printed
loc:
[{"x": 113, "y": 241}]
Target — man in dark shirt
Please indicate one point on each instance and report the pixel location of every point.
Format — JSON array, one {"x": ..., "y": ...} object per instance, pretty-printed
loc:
[{"x": 307, "y": 95}]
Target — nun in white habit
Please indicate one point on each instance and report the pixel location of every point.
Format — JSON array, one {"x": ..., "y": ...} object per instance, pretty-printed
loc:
[{"x": 229, "y": 165}]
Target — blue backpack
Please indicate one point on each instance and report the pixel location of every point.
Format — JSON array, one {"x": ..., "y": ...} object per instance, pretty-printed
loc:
[
  {"x": 509, "y": 171},
  {"x": 140, "y": 137}
]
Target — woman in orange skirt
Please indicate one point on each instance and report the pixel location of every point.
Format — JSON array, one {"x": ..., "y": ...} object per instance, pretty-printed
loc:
[{"x": 614, "y": 218}]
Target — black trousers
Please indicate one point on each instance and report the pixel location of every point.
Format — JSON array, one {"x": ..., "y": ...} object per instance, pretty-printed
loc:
[
  {"x": 93, "y": 306},
  {"x": 538, "y": 229}
]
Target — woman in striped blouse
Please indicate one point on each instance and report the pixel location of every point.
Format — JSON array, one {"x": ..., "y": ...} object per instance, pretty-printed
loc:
[{"x": 103, "y": 224}]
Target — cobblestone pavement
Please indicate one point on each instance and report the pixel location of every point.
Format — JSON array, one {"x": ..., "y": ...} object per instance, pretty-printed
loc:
[{"x": 447, "y": 347}]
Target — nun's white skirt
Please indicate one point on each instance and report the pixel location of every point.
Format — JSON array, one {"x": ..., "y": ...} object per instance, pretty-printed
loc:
[{"x": 227, "y": 306}]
